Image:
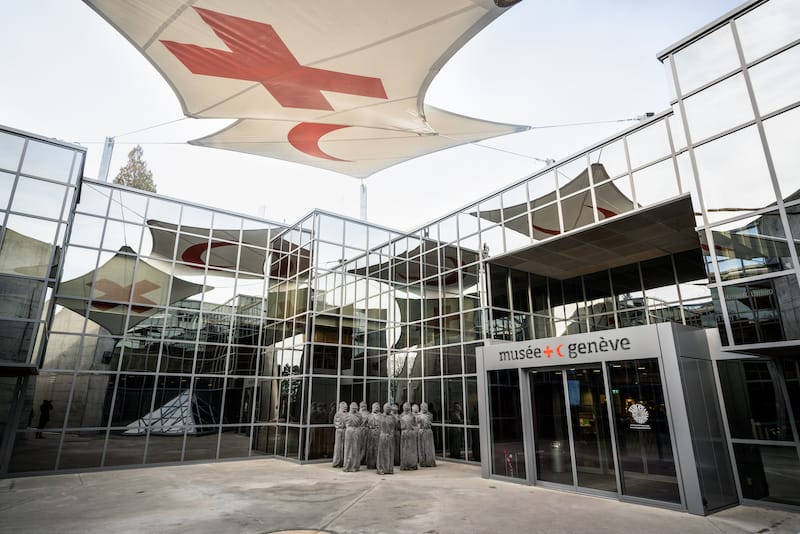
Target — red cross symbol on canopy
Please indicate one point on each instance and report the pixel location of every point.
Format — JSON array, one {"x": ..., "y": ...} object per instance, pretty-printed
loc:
[
  {"x": 113, "y": 291},
  {"x": 257, "y": 53}
]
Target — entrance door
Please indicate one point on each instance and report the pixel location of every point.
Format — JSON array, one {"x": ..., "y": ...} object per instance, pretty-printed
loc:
[
  {"x": 571, "y": 428},
  {"x": 594, "y": 460}
]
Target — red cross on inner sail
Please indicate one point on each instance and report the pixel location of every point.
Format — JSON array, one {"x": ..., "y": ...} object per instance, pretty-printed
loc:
[
  {"x": 257, "y": 53},
  {"x": 113, "y": 291}
]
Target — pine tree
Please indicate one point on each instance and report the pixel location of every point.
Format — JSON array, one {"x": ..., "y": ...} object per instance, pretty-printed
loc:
[{"x": 135, "y": 173}]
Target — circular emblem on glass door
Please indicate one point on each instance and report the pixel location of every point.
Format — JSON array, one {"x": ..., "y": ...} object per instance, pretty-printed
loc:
[{"x": 639, "y": 413}]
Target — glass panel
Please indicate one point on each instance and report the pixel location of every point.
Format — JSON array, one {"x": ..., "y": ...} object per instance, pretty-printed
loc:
[
  {"x": 451, "y": 358},
  {"x": 10, "y": 151},
  {"x": 733, "y": 174},
  {"x": 768, "y": 27},
  {"x": 129, "y": 450},
  {"x": 752, "y": 247},
  {"x": 81, "y": 450},
  {"x": 718, "y": 108},
  {"x": 47, "y": 161},
  {"x": 783, "y": 137},
  {"x": 203, "y": 444},
  {"x": 612, "y": 161},
  {"x": 16, "y": 338},
  {"x": 6, "y": 183},
  {"x": 550, "y": 431},
  {"x": 234, "y": 442},
  {"x": 594, "y": 463},
  {"x": 648, "y": 144},
  {"x": 331, "y": 229},
  {"x": 499, "y": 286},
  {"x": 755, "y": 310},
  {"x": 20, "y": 298},
  {"x": 508, "y": 452},
  {"x": 706, "y": 59},
  {"x": 776, "y": 82},
  {"x": 614, "y": 197},
  {"x": 655, "y": 183},
  {"x": 647, "y": 465},
  {"x": 768, "y": 473},
  {"x": 753, "y": 402}
]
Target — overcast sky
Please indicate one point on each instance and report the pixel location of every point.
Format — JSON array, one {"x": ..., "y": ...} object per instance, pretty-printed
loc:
[{"x": 67, "y": 74}]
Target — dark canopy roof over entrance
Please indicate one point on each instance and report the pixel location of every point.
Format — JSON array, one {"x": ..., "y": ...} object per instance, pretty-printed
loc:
[{"x": 640, "y": 235}]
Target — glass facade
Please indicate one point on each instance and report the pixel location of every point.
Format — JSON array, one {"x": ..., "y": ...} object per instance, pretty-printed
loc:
[{"x": 166, "y": 332}]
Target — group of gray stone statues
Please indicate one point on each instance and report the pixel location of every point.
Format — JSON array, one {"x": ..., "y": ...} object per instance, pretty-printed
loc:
[{"x": 382, "y": 440}]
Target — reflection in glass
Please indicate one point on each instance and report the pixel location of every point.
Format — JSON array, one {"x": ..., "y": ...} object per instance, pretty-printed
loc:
[
  {"x": 768, "y": 473},
  {"x": 550, "y": 430},
  {"x": 594, "y": 463},
  {"x": 644, "y": 445},
  {"x": 508, "y": 452},
  {"x": 753, "y": 401},
  {"x": 755, "y": 312},
  {"x": 751, "y": 248}
]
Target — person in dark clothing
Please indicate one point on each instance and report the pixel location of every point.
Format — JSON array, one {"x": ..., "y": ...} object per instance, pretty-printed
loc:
[{"x": 44, "y": 416}]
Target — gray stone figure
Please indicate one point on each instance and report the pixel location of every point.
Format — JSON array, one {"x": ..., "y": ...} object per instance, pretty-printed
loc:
[
  {"x": 352, "y": 441},
  {"x": 385, "y": 461},
  {"x": 396, "y": 417},
  {"x": 408, "y": 439},
  {"x": 415, "y": 413},
  {"x": 338, "y": 442},
  {"x": 373, "y": 434},
  {"x": 427, "y": 450},
  {"x": 364, "y": 412}
]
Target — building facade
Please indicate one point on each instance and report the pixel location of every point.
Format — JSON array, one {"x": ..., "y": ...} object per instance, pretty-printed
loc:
[{"x": 140, "y": 330}]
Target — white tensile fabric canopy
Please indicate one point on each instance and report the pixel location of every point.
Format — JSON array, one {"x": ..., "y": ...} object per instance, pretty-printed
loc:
[
  {"x": 117, "y": 281},
  {"x": 577, "y": 210},
  {"x": 334, "y": 84},
  {"x": 227, "y": 252}
]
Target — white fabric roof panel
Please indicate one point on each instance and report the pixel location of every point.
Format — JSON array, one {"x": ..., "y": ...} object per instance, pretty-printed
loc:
[{"x": 361, "y": 66}]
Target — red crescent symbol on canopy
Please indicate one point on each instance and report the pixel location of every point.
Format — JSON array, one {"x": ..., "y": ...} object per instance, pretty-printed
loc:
[
  {"x": 558, "y": 350},
  {"x": 193, "y": 254},
  {"x": 305, "y": 137}
]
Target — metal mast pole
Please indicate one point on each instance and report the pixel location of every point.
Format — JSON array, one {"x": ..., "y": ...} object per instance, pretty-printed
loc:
[
  {"x": 363, "y": 200},
  {"x": 105, "y": 161}
]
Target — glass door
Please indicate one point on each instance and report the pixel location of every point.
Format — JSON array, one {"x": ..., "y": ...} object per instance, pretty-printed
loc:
[
  {"x": 591, "y": 435},
  {"x": 571, "y": 428},
  {"x": 647, "y": 464},
  {"x": 551, "y": 427}
]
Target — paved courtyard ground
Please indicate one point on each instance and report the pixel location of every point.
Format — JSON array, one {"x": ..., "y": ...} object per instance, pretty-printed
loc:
[{"x": 269, "y": 495}]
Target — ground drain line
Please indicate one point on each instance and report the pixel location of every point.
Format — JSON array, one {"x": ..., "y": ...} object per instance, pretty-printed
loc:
[{"x": 346, "y": 508}]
